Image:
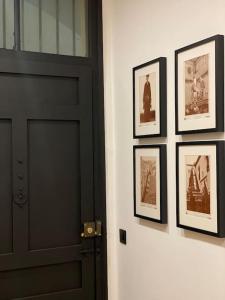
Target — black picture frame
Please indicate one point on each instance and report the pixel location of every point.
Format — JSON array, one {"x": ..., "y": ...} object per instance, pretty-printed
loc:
[
  {"x": 162, "y": 98},
  {"x": 220, "y": 159},
  {"x": 219, "y": 85},
  {"x": 163, "y": 182}
]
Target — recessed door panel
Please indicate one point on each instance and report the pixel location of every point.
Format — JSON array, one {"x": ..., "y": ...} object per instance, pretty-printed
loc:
[
  {"x": 54, "y": 183},
  {"x": 5, "y": 187},
  {"x": 38, "y": 90},
  {"x": 40, "y": 280}
]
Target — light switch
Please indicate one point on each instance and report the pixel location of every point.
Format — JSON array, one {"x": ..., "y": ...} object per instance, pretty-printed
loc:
[{"x": 123, "y": 236}]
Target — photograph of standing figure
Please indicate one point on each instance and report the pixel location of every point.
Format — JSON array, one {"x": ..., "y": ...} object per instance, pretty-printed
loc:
[{"x": 147, "y": 107}]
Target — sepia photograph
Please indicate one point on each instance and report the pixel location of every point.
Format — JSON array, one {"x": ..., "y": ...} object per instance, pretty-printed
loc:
[
  {"x": 200, "y": 187},
  {"x": 196, "y": 85},
  {"x": 147, "y": 97},
  {"x": 198, "y": 183},
  {"x": 148, "y": 180},
  {"x": 199, "y": 86},
  {"x": 150, "y": 99}
]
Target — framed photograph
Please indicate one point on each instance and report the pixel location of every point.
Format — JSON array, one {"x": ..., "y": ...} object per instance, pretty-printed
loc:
[
  {"x": 199, "y": 80},
  {"x": 200, "y": 187},
  {"x": 149, "y": 99},
  {"x": 150, "y": 183}
]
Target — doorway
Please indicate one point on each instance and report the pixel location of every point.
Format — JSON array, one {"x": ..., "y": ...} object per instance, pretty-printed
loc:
[{"x": 52, "y": 168}]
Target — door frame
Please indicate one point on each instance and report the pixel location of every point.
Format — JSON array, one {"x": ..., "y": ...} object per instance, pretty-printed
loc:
[
  {"x": 96, "y": 36},
  {"x": 95, "y": 62}
]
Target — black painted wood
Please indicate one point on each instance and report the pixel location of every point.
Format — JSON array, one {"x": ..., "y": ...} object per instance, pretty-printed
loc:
[
  {"x": 47, "y": 191},
  {"x": 53, "y": 150},
  {"x": 95, "y": 28},
  {"x": 6, "y": 243},
  {"x": 40, "y": 280}
]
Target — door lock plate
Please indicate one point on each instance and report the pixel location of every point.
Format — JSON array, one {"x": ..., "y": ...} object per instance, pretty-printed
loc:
[{"x": 92, "y": 229}]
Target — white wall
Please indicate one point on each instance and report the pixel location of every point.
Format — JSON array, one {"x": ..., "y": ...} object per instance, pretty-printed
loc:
[{"x": 159, "y": 262}]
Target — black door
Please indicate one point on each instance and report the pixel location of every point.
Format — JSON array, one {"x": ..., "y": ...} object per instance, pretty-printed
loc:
[{"x": 46, "y": 176}]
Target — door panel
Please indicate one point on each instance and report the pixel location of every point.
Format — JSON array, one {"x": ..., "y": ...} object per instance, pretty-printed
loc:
[
  {"x": 46, "y": 159},
  {"x": 6, "y": 186},
  {"x": 39, "y": 90},
  {"x": 40, "y": 280},
  {"x": 54, "y": 183}
]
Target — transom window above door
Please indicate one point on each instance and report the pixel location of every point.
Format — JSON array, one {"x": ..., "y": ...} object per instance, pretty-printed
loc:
[{"x": 48, "y": 26}]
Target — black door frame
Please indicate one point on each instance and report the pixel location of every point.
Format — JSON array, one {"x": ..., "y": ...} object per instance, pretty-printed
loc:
[
  {"x": 95, "y": 62},
  {"x": 96, "y": 36}
]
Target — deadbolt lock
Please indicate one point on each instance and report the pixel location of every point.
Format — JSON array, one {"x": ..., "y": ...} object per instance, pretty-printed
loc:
[{"x": 92, "y": 229}]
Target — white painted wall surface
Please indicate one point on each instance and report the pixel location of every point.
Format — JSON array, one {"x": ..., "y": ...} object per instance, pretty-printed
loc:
[{"x": 159, "y": 262}]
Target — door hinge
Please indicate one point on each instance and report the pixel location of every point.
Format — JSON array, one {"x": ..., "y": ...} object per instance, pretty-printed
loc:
[{"x": 92, "y": 229}]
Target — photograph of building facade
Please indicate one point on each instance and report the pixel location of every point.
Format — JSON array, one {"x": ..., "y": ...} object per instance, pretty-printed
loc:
[
  {"x": 148, "y": 180},
  {"x": 198, "y": 183}
]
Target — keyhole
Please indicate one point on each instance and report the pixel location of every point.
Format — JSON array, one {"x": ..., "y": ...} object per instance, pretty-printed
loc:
[{"x": 89, "y": 230}]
